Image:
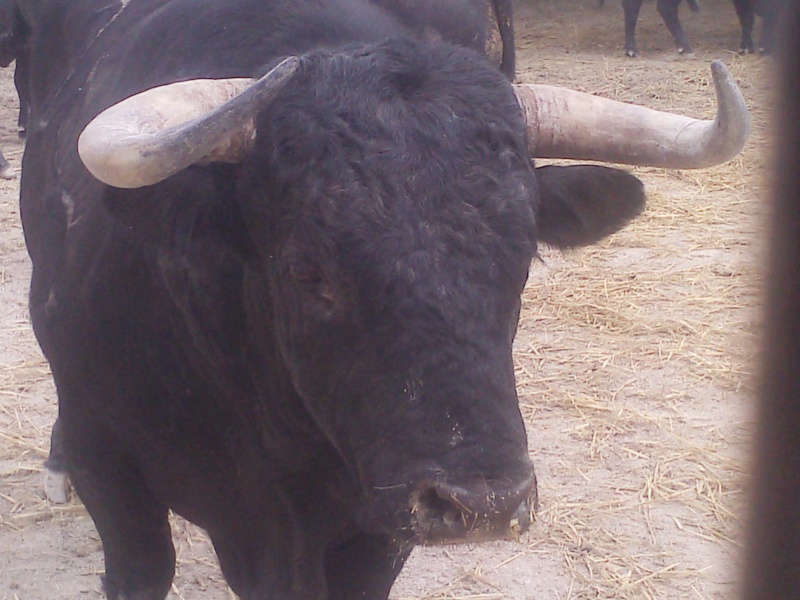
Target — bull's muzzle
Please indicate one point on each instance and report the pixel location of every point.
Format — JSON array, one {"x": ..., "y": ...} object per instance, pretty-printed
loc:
[{"x": 449, "y": 514}]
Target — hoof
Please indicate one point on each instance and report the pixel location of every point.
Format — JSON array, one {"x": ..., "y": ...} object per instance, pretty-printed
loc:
[
  {"x": 7, "y": 172},
  {"x": 56, "y": 486},
  {"x": 631, "y": 53}
]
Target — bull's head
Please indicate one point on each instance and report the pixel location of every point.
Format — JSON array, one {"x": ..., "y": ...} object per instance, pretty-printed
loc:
[{"x": 393, "y": 287}]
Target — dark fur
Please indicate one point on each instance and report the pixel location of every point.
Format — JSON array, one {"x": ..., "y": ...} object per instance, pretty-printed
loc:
[
  {"x": 461, "y": 22},
  {"x": 285, "y": 351},
  {"x": 746, "y": 10}
]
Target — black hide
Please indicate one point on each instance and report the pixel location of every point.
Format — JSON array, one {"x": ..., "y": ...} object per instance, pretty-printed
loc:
[{"x": 307, "y": 353}]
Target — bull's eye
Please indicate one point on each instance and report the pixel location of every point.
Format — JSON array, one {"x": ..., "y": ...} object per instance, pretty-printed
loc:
[
  {"x": 314, "y": 285},
  {"x": 306, "y": 274}
]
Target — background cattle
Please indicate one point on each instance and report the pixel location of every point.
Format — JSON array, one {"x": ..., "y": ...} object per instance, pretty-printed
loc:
[
  {"x": 471, "y": 29},
  {"x": 771, "y": 12},
  {"x": 772, "y": 566},
  {"x": 303, "y": 344},
  {"x": 746, "y": 10}
]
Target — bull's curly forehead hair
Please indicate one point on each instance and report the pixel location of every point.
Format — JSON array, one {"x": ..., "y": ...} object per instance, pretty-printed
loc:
[
  {"x": 398, "y": 64},
  {"x": 398, "y": 135},
  {"x": 399, "y": 91}
]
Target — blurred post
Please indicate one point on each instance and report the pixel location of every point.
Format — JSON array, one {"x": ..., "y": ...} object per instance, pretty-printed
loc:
[{"x": 772, "y": 558}]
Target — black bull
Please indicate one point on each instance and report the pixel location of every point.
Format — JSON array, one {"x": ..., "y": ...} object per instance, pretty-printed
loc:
[{"x": 288, "y": 314}]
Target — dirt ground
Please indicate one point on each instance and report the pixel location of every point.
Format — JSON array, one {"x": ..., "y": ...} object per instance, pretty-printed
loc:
[{"x": 635, "y": 363}]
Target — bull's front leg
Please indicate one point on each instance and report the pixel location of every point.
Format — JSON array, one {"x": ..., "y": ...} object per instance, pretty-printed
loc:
[
  {"x": 769, "y": 27},
  {"x": 747, "y": 19},
  {"x": 668, "y": 9},
  {"x": 631, "y": 10},
  {"x": 56, "y": 482},
  {"x": 133, "y": 526}
]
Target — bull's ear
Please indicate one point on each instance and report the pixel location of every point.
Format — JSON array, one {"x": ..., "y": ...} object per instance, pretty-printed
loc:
[{"x": 580, "y": 205}]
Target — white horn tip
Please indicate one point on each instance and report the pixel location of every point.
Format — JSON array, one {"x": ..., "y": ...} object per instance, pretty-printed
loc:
[{"x": 733, "y": 114}]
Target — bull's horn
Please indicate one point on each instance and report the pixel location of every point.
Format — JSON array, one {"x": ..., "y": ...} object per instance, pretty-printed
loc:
[
  {"x": 152, "y": 135},
  {"x": 568, "y": 124}
]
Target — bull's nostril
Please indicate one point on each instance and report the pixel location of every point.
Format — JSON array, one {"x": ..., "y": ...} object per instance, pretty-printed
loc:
[
  {"x": 432, "y": 508},
  {"x": 446, "y": 513},
  {"x": 521, "y": 519}
]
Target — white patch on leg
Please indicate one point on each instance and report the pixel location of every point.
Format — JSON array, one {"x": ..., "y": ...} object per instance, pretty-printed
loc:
[
  {"x": 8, "y": 172},
  {"x": 56, "y": 487}
]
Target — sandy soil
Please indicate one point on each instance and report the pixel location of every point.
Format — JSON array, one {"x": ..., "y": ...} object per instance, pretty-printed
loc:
[{"x": 634, "y": 361}]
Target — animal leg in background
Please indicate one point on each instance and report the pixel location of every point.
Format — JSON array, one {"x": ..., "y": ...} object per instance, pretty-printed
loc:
[
  {"x": 631, "y": 10},
  {"x": 747, "y": 19},
  {"x": 668, "y": 9},
  {"x": 771, "y": 12}
]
